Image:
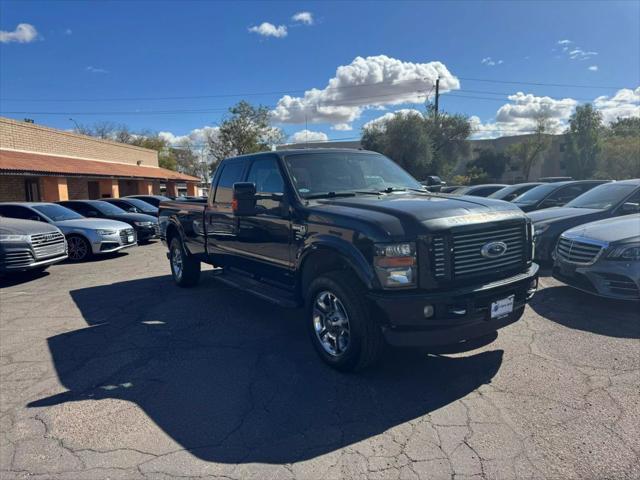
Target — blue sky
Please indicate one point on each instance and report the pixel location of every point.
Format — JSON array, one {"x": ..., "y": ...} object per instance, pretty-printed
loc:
[{"x": 108, "y": 59}]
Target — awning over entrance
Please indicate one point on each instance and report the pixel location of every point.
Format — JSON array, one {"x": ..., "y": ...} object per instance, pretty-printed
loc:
[{"x": 26, "y": 163}]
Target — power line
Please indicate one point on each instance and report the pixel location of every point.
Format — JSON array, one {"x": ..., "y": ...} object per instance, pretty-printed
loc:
[{"x": 541, "y": 84}]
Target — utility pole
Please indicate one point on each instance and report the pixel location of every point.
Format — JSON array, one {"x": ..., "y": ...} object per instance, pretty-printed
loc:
[{"x": 437, "y": 96}]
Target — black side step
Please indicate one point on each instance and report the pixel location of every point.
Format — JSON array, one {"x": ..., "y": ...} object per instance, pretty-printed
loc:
[{"x": 262, "y": 290}]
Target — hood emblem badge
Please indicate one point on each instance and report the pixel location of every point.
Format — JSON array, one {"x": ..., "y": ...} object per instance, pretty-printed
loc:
[{"x": 493, "y": 249}]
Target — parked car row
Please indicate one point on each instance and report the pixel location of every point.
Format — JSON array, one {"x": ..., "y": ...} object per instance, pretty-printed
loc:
[{"x": 34, "y": 235}]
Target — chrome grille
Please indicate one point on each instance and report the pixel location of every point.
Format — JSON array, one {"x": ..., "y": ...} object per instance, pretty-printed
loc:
[
  {"x": 17, "y": 259},
  {"x": 467, "y": 257},
  {"x": 124, "y": 234},
  {"x": 48, "y": 244},
  {"x": 576, "y": 251},
  {"x": 438, "y": 257}
]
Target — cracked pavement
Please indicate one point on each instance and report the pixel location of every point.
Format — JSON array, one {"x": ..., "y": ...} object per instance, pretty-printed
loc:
[{"x": 108, "y": 370}]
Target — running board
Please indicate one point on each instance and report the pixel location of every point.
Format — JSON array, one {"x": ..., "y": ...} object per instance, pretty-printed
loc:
[{"x": 259, "y": 289}]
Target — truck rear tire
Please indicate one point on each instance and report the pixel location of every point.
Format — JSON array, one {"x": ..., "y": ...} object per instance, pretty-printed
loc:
[
  {"x": 340, "y": 325},
  {"x": 184, "y": 268}
]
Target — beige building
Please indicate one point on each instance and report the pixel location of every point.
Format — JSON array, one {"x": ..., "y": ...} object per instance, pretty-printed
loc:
[{"x": 44, "y": 164}]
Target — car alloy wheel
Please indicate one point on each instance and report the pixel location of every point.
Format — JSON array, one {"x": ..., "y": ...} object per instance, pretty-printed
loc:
[
  {"x": 78, "y": 249},
  {"x": 331, "y": 323},
  {"x": 176, "y": 262}
]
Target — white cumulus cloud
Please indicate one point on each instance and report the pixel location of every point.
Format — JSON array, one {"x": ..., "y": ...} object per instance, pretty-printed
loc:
[
  {"x": 625, "y": 103},
  {"x": 197, "y": 135},
  {"x": 344, "y": 127},
  {"x": 593, "y": 68},
  {"x": 367, "y": 82},
  {"x": 303, "y": 17},
  {"x": 267, "y": 29},
  {"x": 96, "y": 69},
  {"x": 308, "y": 136},
  {"x": 24, "y": 33},
  {"x": 490, "y": 62}
]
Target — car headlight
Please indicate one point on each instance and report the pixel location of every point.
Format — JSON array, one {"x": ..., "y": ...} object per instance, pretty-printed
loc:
[
  {"x": 143, "y": 224},
  {"x": 539, "y": 229},
  {"x": 395, "y": 264},
  {"x": 106, "y": 232},
  {"x": 626, "y": 252},
  {"x": 14, "y": 238}
]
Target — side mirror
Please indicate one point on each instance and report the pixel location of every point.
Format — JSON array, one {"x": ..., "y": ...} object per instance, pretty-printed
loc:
[
  {"x": 244, "y": 199},
  {"x": 35, "y": 218},
  {"x": 132, "y": 210},
  {"x": 630, "y": 207}
]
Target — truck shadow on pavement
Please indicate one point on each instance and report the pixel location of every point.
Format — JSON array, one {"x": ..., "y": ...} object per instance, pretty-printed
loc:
[
  {"x": 582, "y": 311},
  {"x": 233, "y": 379}
]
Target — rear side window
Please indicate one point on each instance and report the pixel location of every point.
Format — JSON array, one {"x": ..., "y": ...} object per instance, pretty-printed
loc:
[
  {"x": 231, "y": 173},
  {"x": 13, "y": 211}
]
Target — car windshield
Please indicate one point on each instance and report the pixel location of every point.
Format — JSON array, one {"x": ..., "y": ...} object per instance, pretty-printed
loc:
[
  {"x": 141, "y": 205},
  {"x": 107, "y": 208},
  {"x": 506, "y": 191},
  {"x": 57, "y": 213},
  {"x": 346, "y": 172},
  {"x": 536, "y": 193},
  {"x": 602, "y": 197}
]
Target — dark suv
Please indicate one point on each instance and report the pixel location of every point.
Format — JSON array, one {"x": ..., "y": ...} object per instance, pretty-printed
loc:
[{"x": 371, "y": 254}]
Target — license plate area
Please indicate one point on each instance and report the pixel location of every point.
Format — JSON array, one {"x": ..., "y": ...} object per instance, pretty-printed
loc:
[{"x": 502, "y": 307}]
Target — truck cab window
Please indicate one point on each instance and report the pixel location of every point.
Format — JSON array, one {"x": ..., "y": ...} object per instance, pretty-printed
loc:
[
  {"x": 231, "y": 173},
  {"x": 266, "y": 175}
]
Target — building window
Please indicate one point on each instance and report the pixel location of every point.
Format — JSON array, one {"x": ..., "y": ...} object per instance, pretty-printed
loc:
[{"x": 32, "y": 190}]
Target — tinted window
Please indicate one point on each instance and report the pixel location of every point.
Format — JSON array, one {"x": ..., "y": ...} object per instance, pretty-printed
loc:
[
  {"x": 143, "y": 206},
  {"x": 265, "y": 173},
  {"x": 536, "y": 194},
  {"x": 81, "y": 208},
  {"x": 231, "y": 173},
  {"x": 57, "y": 213},
  {"x": 106, "y": 208},
  {"x": 14, "y": 211},
  {"x": 568, "y": 193}
]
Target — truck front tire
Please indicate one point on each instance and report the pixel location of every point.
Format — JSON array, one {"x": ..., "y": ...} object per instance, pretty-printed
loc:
[
  {"x": 339, "y": 322},
  {"x": 184, "y": 268}
]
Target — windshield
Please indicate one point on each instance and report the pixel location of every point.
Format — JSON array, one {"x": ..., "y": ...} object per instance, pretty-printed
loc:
[
  {"x": 344, "y": 172},
  {"x": 537, "y": 193},
  {"x": 602, "y": 196},
  {"x": 57, "y": 213},
  {"x": 507, "y": 191},
  {"x": 141, "y": 205},
  {"x": 107, "y": 208}
]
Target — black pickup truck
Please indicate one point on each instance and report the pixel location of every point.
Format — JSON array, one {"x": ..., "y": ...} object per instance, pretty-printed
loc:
[{"x": 372, "y": 256}]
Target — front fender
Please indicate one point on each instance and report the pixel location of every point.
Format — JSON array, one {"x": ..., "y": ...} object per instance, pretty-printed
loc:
[{"x": 354, "y": 257}]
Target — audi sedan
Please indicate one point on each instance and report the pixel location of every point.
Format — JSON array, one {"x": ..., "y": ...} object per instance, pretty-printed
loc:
[
  {"x": 146, "y": 226},
  {"x": 85, "y": 236}
]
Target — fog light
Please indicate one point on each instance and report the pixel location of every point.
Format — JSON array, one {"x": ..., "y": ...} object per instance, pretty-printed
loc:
[{"x": 428, "y": 311}]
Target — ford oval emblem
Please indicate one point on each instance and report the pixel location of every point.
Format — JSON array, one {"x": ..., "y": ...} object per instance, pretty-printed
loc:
[{"x": 493, "y": 249}]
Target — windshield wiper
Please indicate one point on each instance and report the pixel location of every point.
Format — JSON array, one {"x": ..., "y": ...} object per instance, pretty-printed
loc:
[
  {"x": 342, "y": 194},
  {"x": 403, "y": 189}
]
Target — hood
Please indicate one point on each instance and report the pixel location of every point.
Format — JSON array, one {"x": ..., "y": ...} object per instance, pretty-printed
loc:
[
  {"x": 410, "y": 212},
  {"x": 553, "y": 214},
  {"x": 134, "y": 217},
  {"x": 618, "y": 229},
  {"x": 15, "y": 226},
  {"x": 91, "y": 223}
]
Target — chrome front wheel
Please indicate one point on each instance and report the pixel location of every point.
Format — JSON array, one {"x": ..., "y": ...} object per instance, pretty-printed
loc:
[
  {"x": 176, "y": 262},
  {"x": 331, "y": 323},
  {"x": 78, "y": 248}
]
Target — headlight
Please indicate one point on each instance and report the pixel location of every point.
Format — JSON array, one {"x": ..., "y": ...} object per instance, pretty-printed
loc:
[
  {"x": 395, "y": 264},
  {"x": 143, "y": 224},
  {"x": 626, "y": 252},
  {"x": 106, "y": 232},
  {"x": 14, "y": 238},
  {"x": 539, "y": 229}
]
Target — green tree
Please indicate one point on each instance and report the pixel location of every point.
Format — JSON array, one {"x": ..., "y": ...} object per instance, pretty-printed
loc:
[
  {"x": 527, "y": 153},
  {"x": 404, "y": 139},
  {"x": 191, "y": 161},
  {"x": 492, "y": 162},
  {"x": 625, "y": 127},
  {"x": 448, "y": 133},
  {"x": 619, "y": 157},
  {"x": 583, "y": 141},
  {"x": 247, "y": 129}
]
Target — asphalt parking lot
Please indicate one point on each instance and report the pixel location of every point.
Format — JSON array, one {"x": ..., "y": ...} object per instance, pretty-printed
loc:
[{"x": 110, "y": 371}]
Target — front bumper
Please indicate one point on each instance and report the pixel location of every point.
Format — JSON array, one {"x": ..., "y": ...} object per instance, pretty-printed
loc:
[
  {"x": 606, "y": 278},
  {"x": 146, "y": 233},
  {"x": 113, "y": 243},
  {"x": 8, "y": 266},
  {"x": 458, "y": 315}
]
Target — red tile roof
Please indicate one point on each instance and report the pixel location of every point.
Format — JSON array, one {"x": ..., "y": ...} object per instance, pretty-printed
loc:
[{"x": 41, "y": 164}]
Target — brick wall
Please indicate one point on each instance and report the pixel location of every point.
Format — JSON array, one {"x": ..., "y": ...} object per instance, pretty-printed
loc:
[
  {"x": 30, "y": 137},
  {"x": 78, "y": 188},
  {"x": 12, "y": 189}
]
